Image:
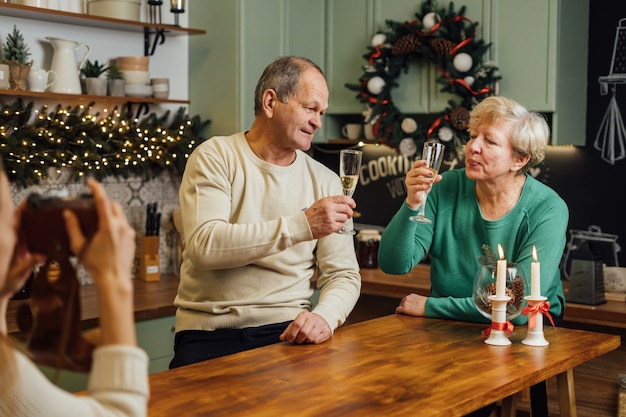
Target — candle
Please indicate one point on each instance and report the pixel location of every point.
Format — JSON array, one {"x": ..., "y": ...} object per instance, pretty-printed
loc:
[
  {"x": 535, "y": 286},
  {"x": 501, "y": 274}
]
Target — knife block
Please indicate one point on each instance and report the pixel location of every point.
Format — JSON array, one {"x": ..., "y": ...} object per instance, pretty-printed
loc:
[{"x": 149, "y": 265}]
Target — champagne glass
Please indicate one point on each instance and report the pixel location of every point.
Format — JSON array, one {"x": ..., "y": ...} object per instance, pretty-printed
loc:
[
  {"x": 433, "y": 155},
  {"x": 349, "y": 166}
]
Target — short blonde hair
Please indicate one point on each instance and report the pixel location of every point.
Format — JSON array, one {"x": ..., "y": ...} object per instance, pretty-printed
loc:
[{"x": 530, "y": 133}]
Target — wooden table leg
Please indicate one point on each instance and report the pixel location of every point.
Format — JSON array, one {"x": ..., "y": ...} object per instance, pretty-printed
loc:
[
  {"x": 567, "y": 396},
  {"x": 508, "y": 408}
]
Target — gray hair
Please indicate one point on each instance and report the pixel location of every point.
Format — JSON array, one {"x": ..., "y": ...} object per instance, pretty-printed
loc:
[
  {"x": 282, "y": 76},
  {"x": 530, "y": 133}
]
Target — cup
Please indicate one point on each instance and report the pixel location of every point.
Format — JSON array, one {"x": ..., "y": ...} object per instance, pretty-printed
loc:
[
  {"x": 38, "y": 79},
  {"x": 160, "y": 87},
  {"x": 4, "y": 76},
  {"x": 352, "y": 130},
  {"x": 368, "y": 130}
]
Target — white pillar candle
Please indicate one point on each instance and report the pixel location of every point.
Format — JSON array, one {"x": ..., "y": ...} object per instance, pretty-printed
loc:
[
  {"x": 501, "y": 274},
  {"x": 535, "y": 280}
]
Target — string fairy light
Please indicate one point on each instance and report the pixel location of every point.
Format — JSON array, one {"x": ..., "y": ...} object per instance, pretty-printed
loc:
[{"x": 105, "y": 143}]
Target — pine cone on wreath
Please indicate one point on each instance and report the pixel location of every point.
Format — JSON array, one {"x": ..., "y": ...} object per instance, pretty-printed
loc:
[
  {"x": 406, "y": 45},
  {"x": 459, "y": 118},
  {"x": 442, "y": 46}
]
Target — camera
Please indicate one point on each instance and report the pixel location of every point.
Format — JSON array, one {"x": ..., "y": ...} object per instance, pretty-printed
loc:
[{"x": 43, "y": 224}]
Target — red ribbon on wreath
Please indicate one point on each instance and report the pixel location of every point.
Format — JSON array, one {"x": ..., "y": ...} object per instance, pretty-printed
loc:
[
  {"x": 434, "y": 126},
  {"x": 508, "y": 326},
  {"x": 531, "y": 312},
  {"x": 374, "y": 55}
]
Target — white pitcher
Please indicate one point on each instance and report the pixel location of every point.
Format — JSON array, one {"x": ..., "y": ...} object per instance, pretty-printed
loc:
[{"x": 64, "y": 65}]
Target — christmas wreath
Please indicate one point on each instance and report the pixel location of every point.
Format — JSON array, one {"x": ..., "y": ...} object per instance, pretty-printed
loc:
[{"x": 445, "y": 38}]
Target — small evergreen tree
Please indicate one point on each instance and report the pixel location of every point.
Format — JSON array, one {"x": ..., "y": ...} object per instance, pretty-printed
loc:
[{"x": 15, "y": 49}]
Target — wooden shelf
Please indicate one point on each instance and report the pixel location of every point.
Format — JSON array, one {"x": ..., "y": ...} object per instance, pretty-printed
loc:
[
  {"x": 57, "y": 16},
  {"x": 84, "y": 98}
]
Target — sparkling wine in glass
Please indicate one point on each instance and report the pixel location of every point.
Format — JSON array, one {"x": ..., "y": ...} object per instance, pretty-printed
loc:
[
  {"x": 349, "y": 166},
  {"x": 433, "y": 155}
]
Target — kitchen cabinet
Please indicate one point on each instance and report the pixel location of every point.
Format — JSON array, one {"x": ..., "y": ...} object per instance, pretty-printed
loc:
[
  {"x": 541, "y": 48},
  {"x": 148, "y": 35},
  {"x": 243, "y": 36},
  {"x": 155, "y": 336}
]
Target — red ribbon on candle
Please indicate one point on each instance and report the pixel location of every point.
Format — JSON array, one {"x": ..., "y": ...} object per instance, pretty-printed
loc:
[
  {"x": 531, "y": 312},
  {"x": 508, "y": 326}
]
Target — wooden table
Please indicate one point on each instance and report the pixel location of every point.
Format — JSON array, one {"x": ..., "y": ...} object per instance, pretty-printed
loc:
[{"x": 393, "y": 366}]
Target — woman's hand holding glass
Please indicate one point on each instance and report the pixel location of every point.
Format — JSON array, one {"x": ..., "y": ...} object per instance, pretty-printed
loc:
[{"x": 421, "y": 177}]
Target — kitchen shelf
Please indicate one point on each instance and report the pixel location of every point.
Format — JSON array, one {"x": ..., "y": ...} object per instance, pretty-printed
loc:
[
  {"x": 78, "y": 98},
  {"x": 57, "y": 16}
]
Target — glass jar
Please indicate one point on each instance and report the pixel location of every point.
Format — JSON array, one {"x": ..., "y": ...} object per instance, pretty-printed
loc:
[{"x": 367, "y": 242}]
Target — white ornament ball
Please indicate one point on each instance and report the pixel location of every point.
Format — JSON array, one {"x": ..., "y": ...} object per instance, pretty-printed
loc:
[
  {"x": 430, "y": 19},
  {"x": 378, "y": 39},
  {"x": 469, "y": 80},
  {"x": 407, "y": 147},
  {"x": 463, "y": 62},
  {"x": 445, "y": 134},
  {"x": 375, "y": 85},
  {"x": 408, "y": 125}
]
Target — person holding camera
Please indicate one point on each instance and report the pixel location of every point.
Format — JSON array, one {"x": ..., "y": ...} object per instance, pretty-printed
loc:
[{"x": 118, "y": 380}]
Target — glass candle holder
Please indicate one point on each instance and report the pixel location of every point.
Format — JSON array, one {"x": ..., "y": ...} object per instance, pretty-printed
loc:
[{"x": 485, "y": 286}]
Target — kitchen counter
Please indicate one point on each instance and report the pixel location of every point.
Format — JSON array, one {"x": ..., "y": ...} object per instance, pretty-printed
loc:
[
  {"x": 375, "y": 282},
  {"x": 152, "y": 300},
  {"x": 155, "y": 299}
]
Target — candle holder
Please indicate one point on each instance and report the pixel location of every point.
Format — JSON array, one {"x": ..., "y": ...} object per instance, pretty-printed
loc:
[
  {"x": 535, "y": 336},
  {"x": 485, "y": 287},
  {"x": 498, "y": 331},
  {"x": 177, "y": 7},
  {"x": 155, "y": 10}
]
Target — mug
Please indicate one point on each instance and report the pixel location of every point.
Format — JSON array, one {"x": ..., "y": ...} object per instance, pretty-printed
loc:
[
  {"x": 160, "y": 87},
  {"x": 352, "y": 130},
  {"x": 38, "y": 79}
]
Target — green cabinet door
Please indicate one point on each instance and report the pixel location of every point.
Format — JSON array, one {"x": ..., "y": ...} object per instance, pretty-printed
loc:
[
  {"x": 243, "y": 36},
  {"x": 541, "y": 49}
]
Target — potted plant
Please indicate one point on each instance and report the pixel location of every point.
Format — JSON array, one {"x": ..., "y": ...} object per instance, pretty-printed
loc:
[
  {"x": 16, "y": 54},
  {"x": 116, "y": 80},
  {"x": 94, "y": 84}
]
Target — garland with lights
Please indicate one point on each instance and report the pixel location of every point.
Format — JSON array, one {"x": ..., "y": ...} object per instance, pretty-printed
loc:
[
  {"x": 445, "y": 38},
  {"x": 98, "y": 145}
]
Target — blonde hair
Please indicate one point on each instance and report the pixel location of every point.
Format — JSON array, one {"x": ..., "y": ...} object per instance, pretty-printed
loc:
[{"x": 530, "y": 133}]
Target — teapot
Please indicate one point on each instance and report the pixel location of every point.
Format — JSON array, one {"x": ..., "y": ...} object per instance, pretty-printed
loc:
[
  {"x": 38, "y": 79},
  {"x": 64, "y": 65}
]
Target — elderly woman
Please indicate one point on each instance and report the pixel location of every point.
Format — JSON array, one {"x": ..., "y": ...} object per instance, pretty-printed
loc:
[
  {"x": 118, "y": 382},
  {"x": 493, "y": 200}
]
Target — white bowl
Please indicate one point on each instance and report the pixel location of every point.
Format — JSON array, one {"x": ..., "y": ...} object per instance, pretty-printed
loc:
[
  {"x": 138, "y": 90},
  {"x": 614, "y": 278},
  {"x": 136, "y": 77}
]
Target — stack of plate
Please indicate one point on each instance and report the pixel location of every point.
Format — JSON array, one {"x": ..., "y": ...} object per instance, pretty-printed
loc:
[{"x": 137, "y": 75}]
